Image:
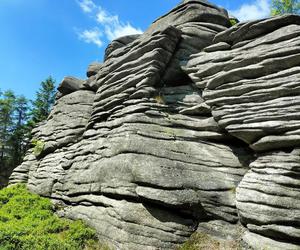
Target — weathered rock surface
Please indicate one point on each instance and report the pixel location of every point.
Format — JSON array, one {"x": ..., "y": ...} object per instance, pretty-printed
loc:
[
  {"x": 199, "y": 22},
  {"x": 69, "y": 85},
  {"x": 93, "y": 69},
  {"x": 250, "y": 79},
  {"x": 117, "y": 44},
  {"x": 186, "y": 127},
  {"x": 253, "y": 87}
]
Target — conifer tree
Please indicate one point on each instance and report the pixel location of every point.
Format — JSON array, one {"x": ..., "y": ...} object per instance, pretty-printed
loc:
[
  {"x": 20, "y": 134},
  {"x": 279, "y": 7},
  {"x": 16, "y": 122},
  {"x": 45, "y": 98},
  {"x": 7, "y": 105}
]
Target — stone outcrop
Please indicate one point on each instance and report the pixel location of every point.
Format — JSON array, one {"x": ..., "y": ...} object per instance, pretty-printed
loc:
[
  {"x": 186, "y": 127},
  {"x": 250, "y": 79}
]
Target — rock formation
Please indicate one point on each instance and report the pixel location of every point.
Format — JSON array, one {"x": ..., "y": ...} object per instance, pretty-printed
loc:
[{"x": 194, "y": 125}]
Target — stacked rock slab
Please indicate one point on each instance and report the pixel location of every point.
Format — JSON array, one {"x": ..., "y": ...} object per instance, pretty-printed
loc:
[{"x": 250, "y": 78}]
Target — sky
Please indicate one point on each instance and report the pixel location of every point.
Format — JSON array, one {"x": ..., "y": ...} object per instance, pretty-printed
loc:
[{"x": 41, "y": 38}]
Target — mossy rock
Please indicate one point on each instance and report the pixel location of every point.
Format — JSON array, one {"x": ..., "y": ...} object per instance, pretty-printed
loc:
[{"x": 202, "y": 241}]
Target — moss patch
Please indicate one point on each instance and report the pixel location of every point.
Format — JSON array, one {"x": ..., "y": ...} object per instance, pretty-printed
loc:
[
  {"x": 201, "y": 241},
  {"x": 27, "y": 221},
  {"x": 38, "y": 147},
  {"x": 159, "y": 99}
]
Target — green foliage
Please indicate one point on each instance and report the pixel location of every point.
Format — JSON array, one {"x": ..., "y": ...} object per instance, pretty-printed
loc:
[
  {"x": 233, "y": 21},
  {"x": 13, "y": 129},
  {"x": 45, "y": 98},
  {"x": 38, "y": 147},
  {"x": 27, "y": 222},
  {"x": 17, "y": 119},
  {"x": 279, "y": 7},
  {"x": 6, "y": 122}
]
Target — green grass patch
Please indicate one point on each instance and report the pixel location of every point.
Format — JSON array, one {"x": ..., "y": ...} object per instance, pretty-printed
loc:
[{"x": 27, "y": 221}]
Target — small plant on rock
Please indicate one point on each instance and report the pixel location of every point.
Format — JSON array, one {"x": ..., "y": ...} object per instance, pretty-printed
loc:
[{"x": 38, "y": 147}]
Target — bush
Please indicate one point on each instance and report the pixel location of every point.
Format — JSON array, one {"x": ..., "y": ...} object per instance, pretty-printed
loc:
[
  {"x": 27, "y": 222},
  {"x": 233, "y": 21},
  {"x": 38, "y": 147}
]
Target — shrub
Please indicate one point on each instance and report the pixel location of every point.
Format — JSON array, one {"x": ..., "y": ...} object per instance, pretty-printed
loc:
[
  {"x": 27, "y": 222},
  {"x": 233, "y": 21},
  {"x": 38, "y": 147}
]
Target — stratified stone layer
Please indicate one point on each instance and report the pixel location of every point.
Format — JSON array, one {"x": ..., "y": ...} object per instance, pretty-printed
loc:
[{"x": 250, "y": 80}]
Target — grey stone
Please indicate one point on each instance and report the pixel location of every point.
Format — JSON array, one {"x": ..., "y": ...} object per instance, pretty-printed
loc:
[
  {"x": 255, "y": 241},
  {"x": 222, "y": 230},
  {"x": 217, "y": 47},
  {"x": 253, "y": 89},
  {"x": 93, "y": 69},
  {"x": 117, "y": 44},
  {"x": 268, "y": 197},
  {"x": 69, "y": 84}
]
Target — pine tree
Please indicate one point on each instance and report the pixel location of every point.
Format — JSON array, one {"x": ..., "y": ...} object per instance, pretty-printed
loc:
[
  {"x": 19, "y": 137},
  {"x": 279, "y": 7},
  {"x": 7, "y": 105},
  {"x": 44, "y": 101},
  {"x": 16, "y": 123}
]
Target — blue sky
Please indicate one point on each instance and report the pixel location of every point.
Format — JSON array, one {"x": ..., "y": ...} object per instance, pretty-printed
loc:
[{"x": 61, "y": 37}]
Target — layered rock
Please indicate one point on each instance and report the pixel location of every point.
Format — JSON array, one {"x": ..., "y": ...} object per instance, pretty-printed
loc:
[
  {"x": 179, "y": 126},
  {"x": 250, "y": 79}
]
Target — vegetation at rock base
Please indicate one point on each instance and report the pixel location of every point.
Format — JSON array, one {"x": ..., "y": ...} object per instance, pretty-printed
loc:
[
  {"x": 279, "y": 7},
  {"x": 201, "y": 241},
  {"x": 27, "y": 222}
]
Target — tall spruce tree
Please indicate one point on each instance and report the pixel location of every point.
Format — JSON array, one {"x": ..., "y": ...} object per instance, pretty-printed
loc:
[
  {"x": 45, "y": 98},
  {"x": 7, "y": 107},
  {"x": 279, "y": 7},
  {"x": 20, "y": 134},
  {"x": 17, "y": 119}
]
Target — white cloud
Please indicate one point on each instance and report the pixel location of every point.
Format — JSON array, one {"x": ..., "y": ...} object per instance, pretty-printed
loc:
[
  {"x": 107, "y": 24},
  {"x": 91, "y": 36},
  {"x": 255, "y": 10},
  {"x": 121, "y": 30},
  {"x": 87, "y": 6},
  {"x": 104, "y": 17},
  {"x": 113, "y": 27}
]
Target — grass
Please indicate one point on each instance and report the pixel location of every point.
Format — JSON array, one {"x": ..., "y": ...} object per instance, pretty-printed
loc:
[
  {"x": 202, "y": 241},
  {"x": 27, "y": 221}
]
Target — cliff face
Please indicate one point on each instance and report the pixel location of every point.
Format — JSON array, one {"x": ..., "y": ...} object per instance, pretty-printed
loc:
[{"x": 188, "y": 126}]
